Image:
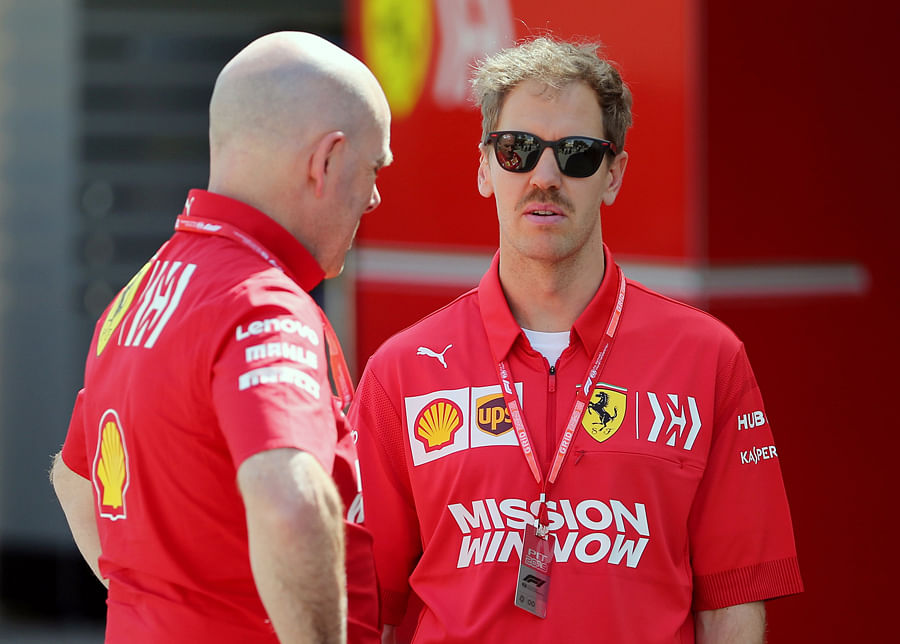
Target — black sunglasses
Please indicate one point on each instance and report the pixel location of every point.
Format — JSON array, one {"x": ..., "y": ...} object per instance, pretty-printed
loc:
[{"x": 576, "y": 156}]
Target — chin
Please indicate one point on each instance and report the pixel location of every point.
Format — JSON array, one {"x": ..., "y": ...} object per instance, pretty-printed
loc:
[
  {"x": 334, "y": 272},
  {"x": 548, "y": 253}
]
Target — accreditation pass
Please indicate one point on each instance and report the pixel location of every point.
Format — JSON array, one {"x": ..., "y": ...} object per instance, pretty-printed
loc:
[{"x": 533, "y": 585}]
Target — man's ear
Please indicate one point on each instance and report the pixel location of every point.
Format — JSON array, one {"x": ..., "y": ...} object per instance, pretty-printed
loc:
[
  {"x": 322, "y": 161},
  {"x": 485, "y": 183},
  {"x": 616, "y": 174}
]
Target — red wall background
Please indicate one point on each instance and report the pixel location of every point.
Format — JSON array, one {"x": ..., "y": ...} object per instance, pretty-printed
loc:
[
  {"x": 765, "y": 134},
  {"x": 802, "y": 166}
]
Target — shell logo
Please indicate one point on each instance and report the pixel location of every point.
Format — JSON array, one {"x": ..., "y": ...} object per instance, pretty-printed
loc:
[
  {"x": 110, "y": 472},
  {"x": 119, "y": 308},
  {"x": 396, "y": 39},
  {"x": 437, "y": 423}
]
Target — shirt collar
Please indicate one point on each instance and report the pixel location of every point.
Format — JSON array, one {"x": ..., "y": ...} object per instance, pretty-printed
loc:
[
  {"x": 301, "y": 266},
  {"x": 503, "y": 330}
]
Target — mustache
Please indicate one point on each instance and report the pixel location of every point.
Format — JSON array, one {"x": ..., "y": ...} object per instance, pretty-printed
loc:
[{"x": 545, "y": 196}]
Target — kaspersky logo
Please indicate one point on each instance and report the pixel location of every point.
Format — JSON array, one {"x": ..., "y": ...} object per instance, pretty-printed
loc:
[
  {"x": 437, "y": 423},
  {"x": 605, "y": 412},
  {"x": 110, "y": 471}
]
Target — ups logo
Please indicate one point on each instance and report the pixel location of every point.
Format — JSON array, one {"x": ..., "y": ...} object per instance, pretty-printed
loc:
[{"x": 492, "y": 416}]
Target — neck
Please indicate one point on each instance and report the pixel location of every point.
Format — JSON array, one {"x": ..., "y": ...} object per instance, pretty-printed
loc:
[{"x": 549, "y": 296}]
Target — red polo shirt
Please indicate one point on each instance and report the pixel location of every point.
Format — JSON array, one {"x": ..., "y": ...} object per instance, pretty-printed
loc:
[
  {"x": 670, "y": 500},
  {"x": 212, "y": 353}
]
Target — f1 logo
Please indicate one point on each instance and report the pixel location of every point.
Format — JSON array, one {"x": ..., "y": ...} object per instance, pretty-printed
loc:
[{"x": 531, "y": 579}]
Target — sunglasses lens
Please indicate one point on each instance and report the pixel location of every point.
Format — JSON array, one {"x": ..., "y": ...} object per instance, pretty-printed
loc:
[
  {"x": 580, "y": 157},
  {"x": 512, "y": 151}
]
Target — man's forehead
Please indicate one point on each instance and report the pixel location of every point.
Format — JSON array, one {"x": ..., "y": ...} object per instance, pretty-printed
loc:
[
  {"x": 538, "y": 89},
  {"x": 573, "y": 101}
]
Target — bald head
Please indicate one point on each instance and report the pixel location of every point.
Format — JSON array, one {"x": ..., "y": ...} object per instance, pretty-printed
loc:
[
  {"x": 289, "y": 84},
  {"x": 298, "y": 129}
]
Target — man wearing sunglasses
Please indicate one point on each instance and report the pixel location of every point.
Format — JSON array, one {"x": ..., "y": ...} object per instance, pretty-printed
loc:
[{"x": 588, "y": 461}]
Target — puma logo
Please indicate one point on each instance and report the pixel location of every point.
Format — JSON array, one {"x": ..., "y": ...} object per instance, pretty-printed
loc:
[{"x": 425, "y": 351}]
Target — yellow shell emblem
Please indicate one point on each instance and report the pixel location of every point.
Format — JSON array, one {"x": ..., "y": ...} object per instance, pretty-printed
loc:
[
  {"x": 111, "y": 468},
  {"x": 604, "y": 414},
  {"x": 396, "y": 37},
  {"x": 119, "y": 308},
  {"x": 437, "y": 423}
]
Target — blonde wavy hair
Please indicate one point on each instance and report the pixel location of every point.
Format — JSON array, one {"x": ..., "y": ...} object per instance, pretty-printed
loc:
[{"x": 555, "y": 63}]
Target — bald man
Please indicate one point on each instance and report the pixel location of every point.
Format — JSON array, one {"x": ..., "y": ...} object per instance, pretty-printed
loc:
[{"x": 208, "y": 474}]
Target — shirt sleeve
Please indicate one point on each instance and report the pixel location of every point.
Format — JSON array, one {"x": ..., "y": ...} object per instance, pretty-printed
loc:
[
  {"x": 74, "y": 451},
  {"x": 270, "y": 386},
  {"x": 390, "y": 513},
  {"x": 742, "y": 541}
]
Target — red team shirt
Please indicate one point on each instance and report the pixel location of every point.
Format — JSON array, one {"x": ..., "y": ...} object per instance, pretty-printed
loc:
[
  {"x": 212, "y": 353},
  {"x": 670, "y": 499}
]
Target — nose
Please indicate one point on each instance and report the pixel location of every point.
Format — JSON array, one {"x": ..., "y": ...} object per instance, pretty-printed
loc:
[
  {"x": 375, "y": 200},
  {"x": 546, "y": 173}
]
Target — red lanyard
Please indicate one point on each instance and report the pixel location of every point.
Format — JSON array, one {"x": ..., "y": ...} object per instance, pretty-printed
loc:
[
  {"x": 582, "y": 398},
  {"x": 339, "y": 370}
]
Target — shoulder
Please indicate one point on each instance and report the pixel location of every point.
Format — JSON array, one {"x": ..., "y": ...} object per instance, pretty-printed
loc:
[
  {"x": 674, "y": 320},
  {"x": 227, "y": 267},
  {"x": 231, "y": 286},
  {"x": 461, "y": 313},
  {"x": 269, "y": 286}
]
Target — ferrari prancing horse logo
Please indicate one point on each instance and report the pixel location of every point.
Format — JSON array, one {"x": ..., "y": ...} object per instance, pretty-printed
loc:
[{"x": 605, "y": 413}]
